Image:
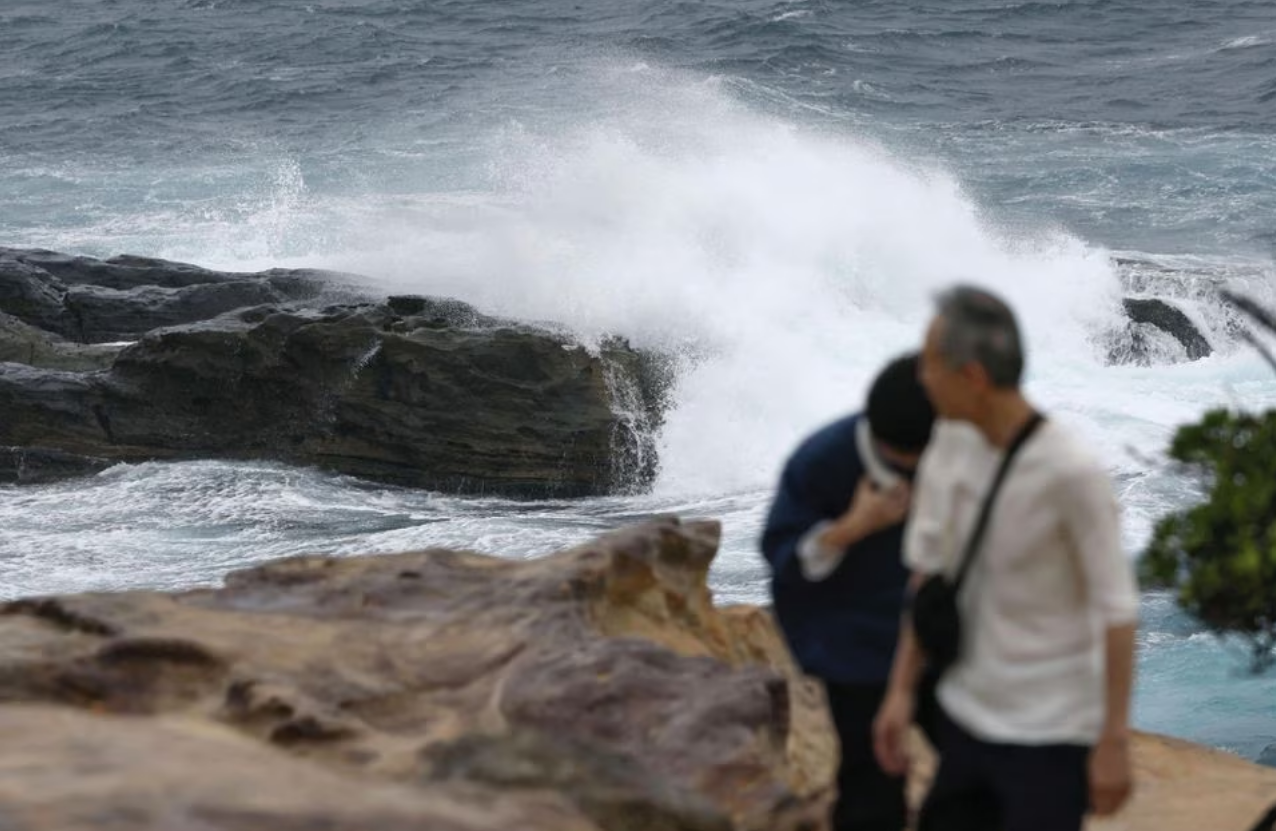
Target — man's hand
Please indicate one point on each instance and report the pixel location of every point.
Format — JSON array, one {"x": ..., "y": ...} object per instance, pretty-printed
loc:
[
  {"x": 890, "y": 732},
  {"x": 1110, "y": 778},
  {"x": 872, "y": 509}
]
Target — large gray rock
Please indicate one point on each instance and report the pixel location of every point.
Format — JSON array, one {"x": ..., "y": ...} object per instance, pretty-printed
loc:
[
  {"x": 133, "y": 359},
  {"x": 30, "y": 294},
  {"x": 25, "y": 344},
  {"x": 444, "y": 398},
  {"x": 1158, "y": 298},
  {"x": 1154, "y": 331},
  {"x": 99, "y": 301},
  {"x": 1171, "y": 320},
  {"x": 38, "y": 465}
]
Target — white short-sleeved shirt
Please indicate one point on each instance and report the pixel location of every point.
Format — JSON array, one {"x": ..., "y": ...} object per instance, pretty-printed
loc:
[{"x": 1049, "y": 578}]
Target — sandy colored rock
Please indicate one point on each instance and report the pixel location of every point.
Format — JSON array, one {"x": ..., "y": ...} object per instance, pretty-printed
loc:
[
  {"x": 70, "y": 770},
  {"x": 1185, "y": 787},
  {"x": 595, "y": 688},
  {"x": 602, "y": 673}
]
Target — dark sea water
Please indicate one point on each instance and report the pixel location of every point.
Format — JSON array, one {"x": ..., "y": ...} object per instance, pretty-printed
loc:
[{"x": 772, "y": 190}]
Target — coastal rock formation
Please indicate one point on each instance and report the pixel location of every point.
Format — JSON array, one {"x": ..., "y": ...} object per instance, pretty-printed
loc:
[
  {"x": 67, "y": 770},
  {"x": 25, "y": 344},
  {"x": 1176, "y": 312},
  {"x": 415, "y": 391},
  {"x": 1163, "y": 316},
  {"x": 598, "y": 688},
  {"x": 97, "y": 301},
  {"x": 135, "y": 359}
]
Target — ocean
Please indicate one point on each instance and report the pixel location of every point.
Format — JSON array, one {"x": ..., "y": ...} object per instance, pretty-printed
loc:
[{"x": 770, "y": 192}]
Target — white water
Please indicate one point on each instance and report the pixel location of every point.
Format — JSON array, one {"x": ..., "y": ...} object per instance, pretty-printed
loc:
[{"x": 783, "y": 266}]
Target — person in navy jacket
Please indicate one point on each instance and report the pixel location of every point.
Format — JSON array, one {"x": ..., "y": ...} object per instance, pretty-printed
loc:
[{"x": 833, "y": 540}]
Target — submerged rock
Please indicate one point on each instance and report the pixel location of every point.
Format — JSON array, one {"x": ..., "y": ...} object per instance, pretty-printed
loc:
[
  {"x": 1169, "y": 319},
  {"x": 1155, "y": 331},
  {"x": 1176, "y": 312}
]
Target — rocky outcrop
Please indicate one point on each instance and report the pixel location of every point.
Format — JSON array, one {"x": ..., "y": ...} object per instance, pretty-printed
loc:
[
  {"x": 98, "y": 301},
  {"x": 25, "y": 344},
  {"x": 415, "y": 391},
  {"x": 1158, "y": 298},
  {"x": 597, "y": 688},
  {"x": 1155, "y": 331},
  {"x": 1169, "y": 319},
  {"x": 37, "y": 465},
  {"x": 68, "y": 770}
]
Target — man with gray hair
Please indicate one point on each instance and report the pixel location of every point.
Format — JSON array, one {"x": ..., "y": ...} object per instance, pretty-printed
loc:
[{"x": 1036, "y": 697}]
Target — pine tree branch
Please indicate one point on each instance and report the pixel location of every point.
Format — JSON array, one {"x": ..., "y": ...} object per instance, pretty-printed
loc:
[
  {"x": 1248, "y": 337},
  {"x": 1256, "y": 312}
]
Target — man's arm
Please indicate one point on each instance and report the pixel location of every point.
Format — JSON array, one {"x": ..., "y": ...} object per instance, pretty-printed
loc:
[
  {"x": 871, "y": 510},
  {"x": 1094, "y": 526},
  {"x": 793, "y": 513},
  {"x": 923, "y": 554},
  {"x": 822, "y": 548},
  {"x": 906, "y": 670},
  {"x": 890, "y": 728},
  {"x": 1118, "y": 679},
  {"x": 808, "y": 530},
  {"x": 1111, "y": 780}
]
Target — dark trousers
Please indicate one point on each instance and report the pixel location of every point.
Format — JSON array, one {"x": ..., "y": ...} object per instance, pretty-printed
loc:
[
  {"x": 868, "y": 799},
  {"x": 986, "y": 786}
]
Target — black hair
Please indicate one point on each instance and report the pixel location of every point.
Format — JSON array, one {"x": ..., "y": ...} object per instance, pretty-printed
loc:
[{"x": 899, "y": 413}]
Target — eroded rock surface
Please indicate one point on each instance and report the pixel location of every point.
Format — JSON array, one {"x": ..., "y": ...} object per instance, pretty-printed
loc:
[
  {"x": 601, "y": 676},
  {"x": 132, "y": 360}
]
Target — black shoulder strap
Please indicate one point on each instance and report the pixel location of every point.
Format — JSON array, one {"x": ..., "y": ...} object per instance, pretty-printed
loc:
[{"x": 972, "y": 545}]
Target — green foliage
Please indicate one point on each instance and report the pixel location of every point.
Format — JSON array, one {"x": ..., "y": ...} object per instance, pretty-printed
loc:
[{"x": 1220, "y": 556}]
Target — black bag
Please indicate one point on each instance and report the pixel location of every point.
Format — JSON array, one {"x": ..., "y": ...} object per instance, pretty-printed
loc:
[{"x": 936, "y": 619}]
